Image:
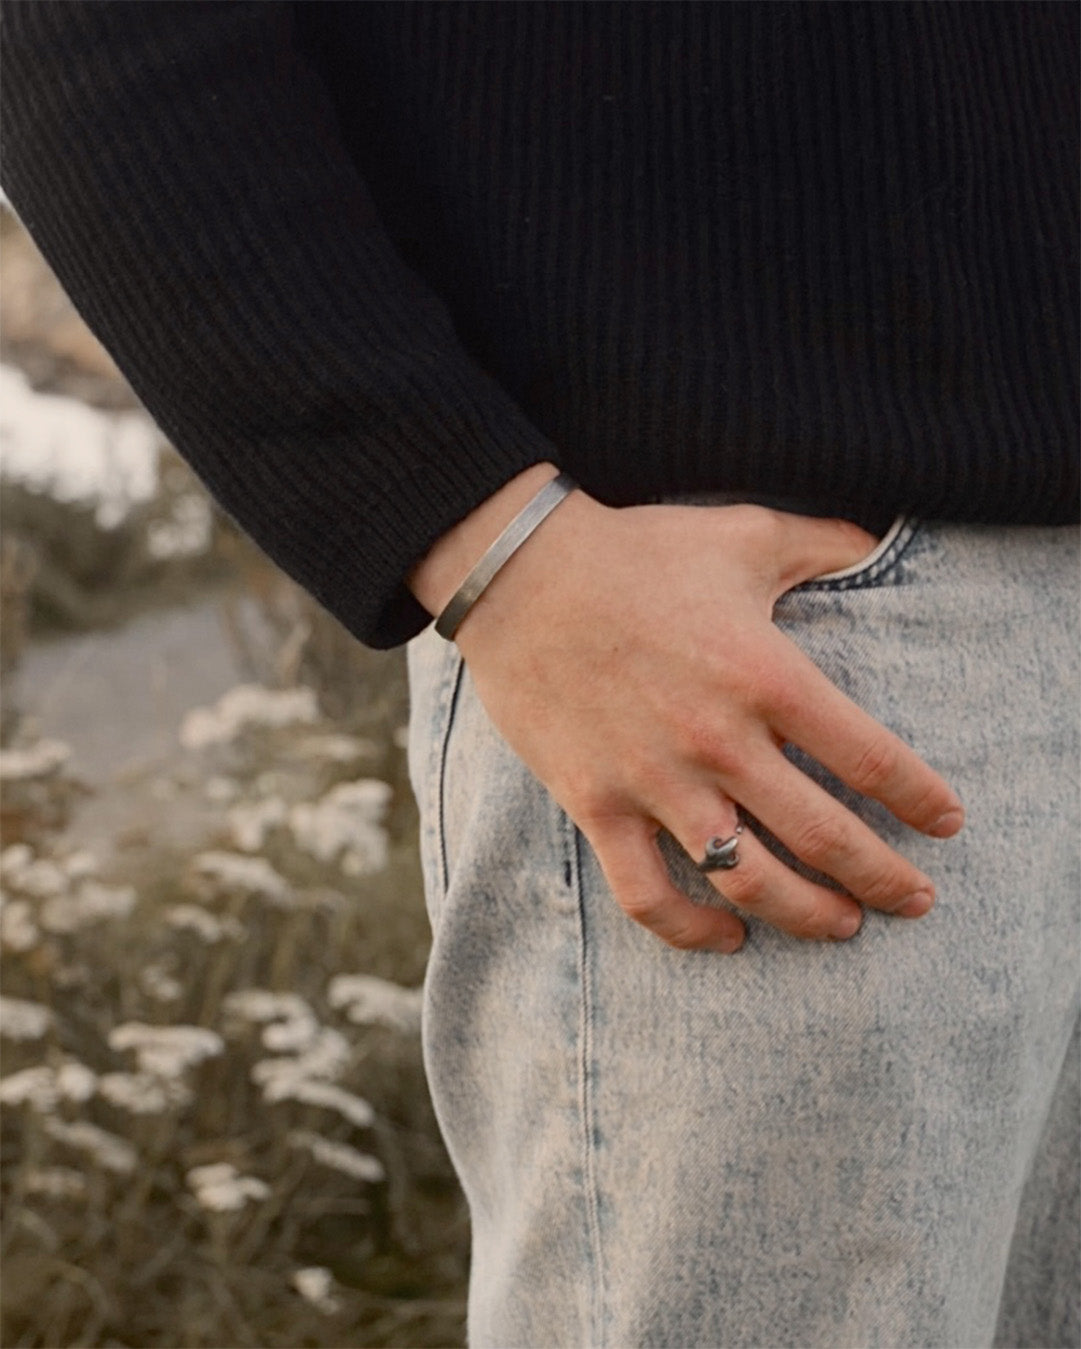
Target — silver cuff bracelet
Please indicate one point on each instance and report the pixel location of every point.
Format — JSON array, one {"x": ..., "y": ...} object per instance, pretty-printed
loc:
[{"x": 512, "y": 538}]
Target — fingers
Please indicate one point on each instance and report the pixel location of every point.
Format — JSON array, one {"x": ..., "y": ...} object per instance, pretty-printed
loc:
[
  {"x": 851, "y": 744},
  {"x": 801, "y": 706},
  {"x": 760, "y": 884},
  {"x": 635, "y": 870},
  {"x": 817, "y": 829},
  {"x": 766, "y": 888}
]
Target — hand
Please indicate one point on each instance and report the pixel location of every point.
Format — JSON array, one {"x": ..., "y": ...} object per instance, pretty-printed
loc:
[{"x": 629, "y": 657}]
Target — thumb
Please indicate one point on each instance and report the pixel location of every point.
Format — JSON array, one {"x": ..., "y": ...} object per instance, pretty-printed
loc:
[{"x": 810, "y": 547}]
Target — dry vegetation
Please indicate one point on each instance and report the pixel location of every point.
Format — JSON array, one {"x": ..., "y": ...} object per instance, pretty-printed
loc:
[
  {"x": 215, "y": 1129},
  {"x": 174, "y": 1013}
]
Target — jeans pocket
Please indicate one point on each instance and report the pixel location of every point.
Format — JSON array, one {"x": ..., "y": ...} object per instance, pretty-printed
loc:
[{"x": 879, "y": 564}]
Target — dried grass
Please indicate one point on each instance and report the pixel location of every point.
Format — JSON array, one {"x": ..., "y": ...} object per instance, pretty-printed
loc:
[{"x": 216, "y": 1129}]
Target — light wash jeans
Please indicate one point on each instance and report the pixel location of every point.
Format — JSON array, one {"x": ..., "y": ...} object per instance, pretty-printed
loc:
[{"x": 871, "y": 1143}]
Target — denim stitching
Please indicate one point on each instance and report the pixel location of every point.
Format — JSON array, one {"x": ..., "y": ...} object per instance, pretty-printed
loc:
[
  {"x": 585, "y": 1094},
  {"x": 873, "y": 574},
  {"x": 447, "y": 711}
]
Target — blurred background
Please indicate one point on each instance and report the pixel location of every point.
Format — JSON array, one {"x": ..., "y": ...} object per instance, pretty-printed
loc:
[{"x": 215, "y": 1128}]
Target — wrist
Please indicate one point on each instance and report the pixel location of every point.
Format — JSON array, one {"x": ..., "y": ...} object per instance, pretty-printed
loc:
[
  {"x": 448, "y": 562},
  {"x": 535, "y": 590}
]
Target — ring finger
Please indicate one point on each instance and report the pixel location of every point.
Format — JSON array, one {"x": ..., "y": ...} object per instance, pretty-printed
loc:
[{"x": 760, "y": 884}]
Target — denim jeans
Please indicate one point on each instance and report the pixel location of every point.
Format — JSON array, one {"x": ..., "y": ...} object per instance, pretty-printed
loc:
[{"x": 867, "y": 1143}]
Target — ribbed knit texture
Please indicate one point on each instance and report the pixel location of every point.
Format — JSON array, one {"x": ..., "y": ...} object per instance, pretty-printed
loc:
[{"x": 364, "y": 262}]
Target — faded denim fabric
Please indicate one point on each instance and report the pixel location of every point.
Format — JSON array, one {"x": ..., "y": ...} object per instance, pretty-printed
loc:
[{"x": 871, "y": 1143}]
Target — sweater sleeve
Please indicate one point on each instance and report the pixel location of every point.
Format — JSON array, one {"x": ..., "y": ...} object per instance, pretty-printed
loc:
[{"x": 181, "y": 169}]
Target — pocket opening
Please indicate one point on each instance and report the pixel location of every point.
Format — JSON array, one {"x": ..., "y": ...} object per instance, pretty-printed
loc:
[{"x": 879, "y": 551}]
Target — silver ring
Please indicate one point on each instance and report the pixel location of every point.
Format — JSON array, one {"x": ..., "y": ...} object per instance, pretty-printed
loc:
[{"x": 721, "y": 853}]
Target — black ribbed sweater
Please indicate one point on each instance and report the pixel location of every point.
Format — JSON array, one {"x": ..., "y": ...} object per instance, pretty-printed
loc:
[{"x": 364, "y": 262}]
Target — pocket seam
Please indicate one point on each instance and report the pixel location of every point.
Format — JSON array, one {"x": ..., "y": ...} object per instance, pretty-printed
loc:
[
  {"x": 873, "y": 570},
  {"x": 449, "y": 706}
]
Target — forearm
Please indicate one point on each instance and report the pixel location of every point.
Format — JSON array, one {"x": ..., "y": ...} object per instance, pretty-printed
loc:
[{"x": 182, "y": 169}]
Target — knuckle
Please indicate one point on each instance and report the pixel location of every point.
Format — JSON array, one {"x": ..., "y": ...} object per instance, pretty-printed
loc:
[
  {"x": 744, "y": 886},
  {"x": 887, "y": 888},
  {"x": 648, "y": 779},
  {"x": 931, "y": 802},
  {"x": 720, "y": 751},
  {"x": 725, "y": 755},
  {"x": 708, "y": 740},
  {"x": 754, "y": 525},
  {"x": 814, "y": 923},
  {"x": 641, "y": 906},
  {"x": 674, "y": 928},
  {"x": 684, "y": 936},
  {"x": 595, "y": 807},
  {"x": 876, "y": 767},
  {"x": 822, "y": 840},
  {"x": 776, "y": 693}
]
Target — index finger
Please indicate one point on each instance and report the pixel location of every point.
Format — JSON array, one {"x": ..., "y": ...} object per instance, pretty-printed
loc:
[{"x": 825, "y": 722}]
